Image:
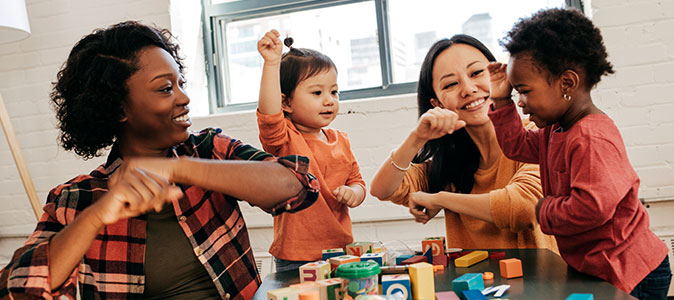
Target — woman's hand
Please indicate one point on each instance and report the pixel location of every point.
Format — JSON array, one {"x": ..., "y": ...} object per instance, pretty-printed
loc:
[
  {"x": 134, "y": 191},
  {"x": 423, "y": 206},
  {"x": 436, "y": 123},
  {"x": 270, "y": 47}
]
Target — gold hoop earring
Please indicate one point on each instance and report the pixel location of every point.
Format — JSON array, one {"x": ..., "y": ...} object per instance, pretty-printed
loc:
[{"x": 566, "y": 97}]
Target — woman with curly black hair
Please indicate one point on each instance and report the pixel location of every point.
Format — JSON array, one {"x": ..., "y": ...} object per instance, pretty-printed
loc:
[
  {"x": 591, "y": 202},
  {"x": 451, "y": 159},
  {"x": 125, "y": 230}
]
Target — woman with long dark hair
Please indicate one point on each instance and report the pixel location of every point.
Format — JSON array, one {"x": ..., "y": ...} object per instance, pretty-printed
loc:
[{"x": 451, "y": 159}]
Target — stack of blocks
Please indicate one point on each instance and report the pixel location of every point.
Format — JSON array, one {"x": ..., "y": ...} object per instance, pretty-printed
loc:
[
  {"x": 379, "y": 258},
  {"x": 468, "y": 281},
  {"x": 437, "y": 247},
  {"x": 328, "y": 253},
  {"x": 358, "y": 248},
  {"x": 391, "y": 284},
  {"x": 422, "y": 280},
  {"x": 315, "y": 271},
  {"x": 510, "y": 268},
  {"x": 331, "y": 289},
  {"x": 339, "y": 260}
]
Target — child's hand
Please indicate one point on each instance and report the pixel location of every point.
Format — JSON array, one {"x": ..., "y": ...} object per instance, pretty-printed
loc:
[
  {"x": 436, "y": 123},
  {"x": 500, "y": 87},
  {"x": 345, "y": 194},
  {"x": 270, "y": 47},
  {"x": 422, "y": 206}
]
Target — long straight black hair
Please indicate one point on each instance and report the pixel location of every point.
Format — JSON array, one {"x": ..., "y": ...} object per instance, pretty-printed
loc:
[{"x": 454, "y": 157}]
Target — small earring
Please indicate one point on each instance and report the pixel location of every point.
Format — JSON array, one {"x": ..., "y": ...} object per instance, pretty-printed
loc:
[{"x": 566, "y": 97}]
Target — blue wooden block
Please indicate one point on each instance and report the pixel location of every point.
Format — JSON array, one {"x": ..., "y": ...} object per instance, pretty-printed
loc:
[
  {"x": 391, "y": 284},
  {"x": 375, "y": 257},
  {"x": 328, "y": 253},
  {"x": 429, "y": 255},
  {"x": 468, "y": 281},
  {"x": 400, "y": 259},
  {"x": 576, "y": 296},
  {"x": 473, "y": 295}
]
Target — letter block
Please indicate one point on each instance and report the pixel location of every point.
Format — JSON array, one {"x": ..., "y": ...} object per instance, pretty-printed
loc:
[
  {"x": 423, "y": 282},
  {"x": 331, "y": 289},
  {"x": 288, "y": 293},
  {"x": 336, "y": 261},
  {"x": 468, "y": 281},
  {"x": 471, "y": 259},
  {"x": 358, "y": 248},
  {"x": 328, "y": 253},
  {"x": 437, "y": 245},
  {"x": 379, "y": 258},
  {"x": 391, "y": 284},
  {"x": 315, "y": 271},
  {"x": 510, "y": 268}
]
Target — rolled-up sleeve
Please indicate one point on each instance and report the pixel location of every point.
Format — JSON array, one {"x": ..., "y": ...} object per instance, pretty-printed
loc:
[{"x": 513, "y": 206}]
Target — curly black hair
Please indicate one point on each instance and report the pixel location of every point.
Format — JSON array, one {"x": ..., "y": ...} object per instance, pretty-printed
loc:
[
  {"x": 559, "y": 40},
  {"x": 91, "y": 85}
]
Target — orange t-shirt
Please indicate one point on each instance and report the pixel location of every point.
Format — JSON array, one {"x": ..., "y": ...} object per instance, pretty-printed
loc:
[{"x": 326, "y": 224}]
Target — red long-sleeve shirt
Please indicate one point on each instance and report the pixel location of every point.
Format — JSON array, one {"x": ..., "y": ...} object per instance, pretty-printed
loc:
[{"x": 591, "y": 195}]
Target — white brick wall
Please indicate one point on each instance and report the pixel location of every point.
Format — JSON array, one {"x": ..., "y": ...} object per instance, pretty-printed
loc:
[{"x": 639, "y": 97}]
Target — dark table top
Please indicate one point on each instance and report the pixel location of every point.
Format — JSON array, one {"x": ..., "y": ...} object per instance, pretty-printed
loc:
[{"x": 545, "y": 274}]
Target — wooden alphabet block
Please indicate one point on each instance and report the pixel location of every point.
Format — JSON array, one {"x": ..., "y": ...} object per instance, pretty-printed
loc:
[
  {"x": 336, "y": 261},
  {"x": 288, "y": 293},
  {"x": 468, "y": 281},
  {"x": 473, "y": 295},
  {"x": 436, "y": 244},
  {"x": 391, "y": 284},
  {"x": 358, "y": 248},
  {"x": 306, "y": 286},
  {"x": 423, "y": 282},
  {"x": 328, "y": 253},
  {"x": 414, "y": 259},
  {"x": 315, "y": 271},
  {"x": 510, "y": 268},
  {"x": 379, "y": 258},
  {"x": 331, "y": 289},
  {"x": 471, "y": 259}
]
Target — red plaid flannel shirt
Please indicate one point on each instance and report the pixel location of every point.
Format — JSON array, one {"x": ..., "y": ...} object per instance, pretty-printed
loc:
[{"x": 112, "y": 268}]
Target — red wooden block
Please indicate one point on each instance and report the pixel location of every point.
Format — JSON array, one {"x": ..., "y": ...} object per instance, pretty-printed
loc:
[
  {"x": 510, "y": 268},
  {"x": 497, "y": 255},
  {"x": 414, "y": 259},
  {"x": 440, "y": 260}
]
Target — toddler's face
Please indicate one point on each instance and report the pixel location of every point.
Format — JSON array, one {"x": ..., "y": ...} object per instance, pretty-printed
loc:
[
  {"x": 315, "y": 102},
  {"x": 461, "y": 83},
  {"x": 539, "y": 97}
]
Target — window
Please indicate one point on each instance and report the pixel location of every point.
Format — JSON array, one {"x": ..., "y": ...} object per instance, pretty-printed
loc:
[{"x": 377, "y": 45}]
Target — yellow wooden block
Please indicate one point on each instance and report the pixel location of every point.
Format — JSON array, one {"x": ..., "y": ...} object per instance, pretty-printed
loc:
[
  {"x": 315, "y": 271},
  {"x": 423, "y": 283},
  {"x": 471, "y": 259}
]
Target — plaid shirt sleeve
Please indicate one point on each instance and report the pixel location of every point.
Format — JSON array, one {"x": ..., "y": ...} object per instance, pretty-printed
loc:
[
  {"x": 225, "y": 147},
  {"x": 27, "y": 274}
]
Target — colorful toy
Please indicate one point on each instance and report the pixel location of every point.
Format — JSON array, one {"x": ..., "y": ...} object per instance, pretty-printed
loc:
[
  {"x": 429, "y": 255},
  {"x": 358, "y": 248},
  {"x": 379, "y": 258},
  {"x": 402, "y": 258},
  {"x": 498, "y": 290},
  {"x": 488, "y": 276},
  {"x": 331, "y": 289},
  {"x": 436, "y": 244},
  {"x": 510, "y": 268},
  {"x": 497, "y": 255},
  {"x": 391, "y": 284},
  {"x": 309, "y": 295},
  {"x": 446, "y": 296},
  {"x": 437, "y": 268},
  {"x": 306, "y": 286},
  {"x": 359, "y": 278},
  {"x": 328, "y": 253},
  {"x": 339, "y": 260},
  {"x": 468, "y": 281},
  {"x": 423, "y": 283},
  {"x": 473, "y": 295},
  {"x": 315, "y": 271},
  {"x": 414, "y": 259},
  {"x": 471, "y": 259},
  {"x": 288, "y": 293},
  {"x": 440, "y": 260},
  {"x": 576, "y": 296}
]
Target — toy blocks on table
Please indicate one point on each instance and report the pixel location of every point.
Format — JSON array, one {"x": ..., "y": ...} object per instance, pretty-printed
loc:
[
  {"x": 401, "y": 258},
  {"x": 310, "y": 295},
  {"x": 379, "y": 258},
  {"x": 423, "y": 282},
  {"x": 440, "y": 260},
  {"x": 306, "y": 286},
  {"x": 473, "y": 295},
  {"x": 288, "y": 293},
  {"x": 331, "y": 289},
  {"x": 436, "y": 244},
  {"x": 576, "y": 296},
  {"x": 446, "y": 296},
  {"x": 358, "y": 248},
  {"x": 391, "y": 284},
  {"x": 429, "y": 255},
  {"x": 315, "y": 271},
  {"x": 510, "y": 268},
  {"x": 414, "y": 259},
  {"x": 336, "y": 261},
  {"x": 497, "y": 255},
  {"x": 471, "y": 259},
  {"x": 468, "y": 281},
  {"x": 328, "y": 253}
]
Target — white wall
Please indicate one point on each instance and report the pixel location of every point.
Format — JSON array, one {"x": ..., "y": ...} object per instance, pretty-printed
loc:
[{"x": 640, "y": 98}]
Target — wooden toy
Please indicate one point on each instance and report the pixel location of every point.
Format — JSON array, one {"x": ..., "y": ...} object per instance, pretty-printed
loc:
[
  {"x": 414, "y": 259},
  {"x": 331, "y": 289},
  {"x": 394, "y": 269},
  {"x": 328, "y": 253},
  {"x": 401, "y": 258},
  {"x": 470, "y": 259},
  {"x": 497, "y": 255},
  {"x": 310, "y": 295},
  {"x": 436, "y": 244},
  {"x": 379, "y": 258},
  {"x": 396, "y": 283},
  {"x": 306, "y": 286},
  {"x": 510, "y": 268},
  {"x": 288, "y": 293},
  {"x": 358, "y": 248},
  {"x": 468, "y": 281},
  {"x": 423, "y": 282},
  {"x": 446, "y": 296},
  {"x": 437, "y": 268},
  {"x": 576, "y": 296},
  {"x": 336, "y": 261},
  {"x": 473, "y": 295},
  {"x": 488, "y": 276},
  {"x": 498, "y": 290},
  {"x": 440, "y": 260},
  {"x": 315, "y": 271},
  {"x": 429, "y": 255}
]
